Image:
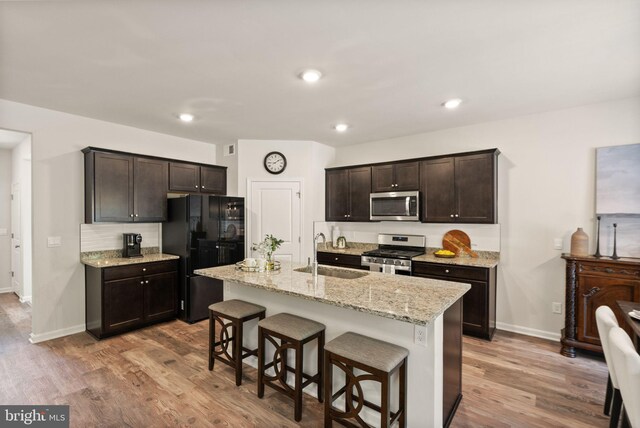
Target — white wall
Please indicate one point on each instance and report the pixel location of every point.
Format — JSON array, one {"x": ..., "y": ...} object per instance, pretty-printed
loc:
[
  {"x": 21, "y": 175},
  {"x": 305, "y": 160},
  {"x": 5, "y": 220},
  {"x": 231, "y": 162},
  {"x": 546, "y": 190},
  {"x": 58, "y": 201}
]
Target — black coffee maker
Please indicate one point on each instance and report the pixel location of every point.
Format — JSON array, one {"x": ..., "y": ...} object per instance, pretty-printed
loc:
[{"x": 131, "y": 245}]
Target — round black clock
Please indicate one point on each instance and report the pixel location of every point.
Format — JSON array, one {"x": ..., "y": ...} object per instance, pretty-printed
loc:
[{"x": 275, "y": 162}]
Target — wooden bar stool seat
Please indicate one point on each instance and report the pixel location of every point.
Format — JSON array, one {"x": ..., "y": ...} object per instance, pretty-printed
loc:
[
  {"x": 236, "y": 313},
  {"x": 380, "y": 360},
  {"x": 293, "y": 332}
]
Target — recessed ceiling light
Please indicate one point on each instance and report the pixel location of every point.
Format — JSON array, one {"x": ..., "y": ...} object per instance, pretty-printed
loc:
[
  {"x": 310, "y": 76},
  {"x": 186, "y": 117},
  {"x": 453, "y": 103},
  {"x": 341, "y": 127}
]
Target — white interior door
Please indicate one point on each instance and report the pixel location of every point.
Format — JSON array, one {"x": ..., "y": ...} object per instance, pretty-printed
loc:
[
  {"x": 16, "y": 241},
  {"x": 275, "y": 209}
]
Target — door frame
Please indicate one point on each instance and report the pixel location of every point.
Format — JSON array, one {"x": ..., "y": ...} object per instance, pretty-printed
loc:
[
  {"x": 248, "y": 207},
  {"x": 16, "y": 205}
]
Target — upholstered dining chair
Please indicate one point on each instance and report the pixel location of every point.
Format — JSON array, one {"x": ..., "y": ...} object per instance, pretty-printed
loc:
[
  {"x": 606, "y": 321},
  {"x": 626, "y": 363}
]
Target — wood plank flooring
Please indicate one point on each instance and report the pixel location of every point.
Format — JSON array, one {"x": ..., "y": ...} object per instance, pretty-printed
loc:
[{"x": 158, "y": 377}]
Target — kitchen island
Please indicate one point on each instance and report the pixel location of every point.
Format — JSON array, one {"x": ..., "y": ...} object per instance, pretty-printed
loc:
[{"x": 422, "y": 315}]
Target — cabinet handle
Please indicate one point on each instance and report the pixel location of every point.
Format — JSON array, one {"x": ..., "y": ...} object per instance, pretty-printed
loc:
[
  {"x": 144, "y": 269},
  {"x": 457, "y": 215},
  {"x": 451, "y": 215},
  {"x": 196, "y": 186},
  {"x": 130, "y": 215},
  {"x": 202, "y": 187},
  {"x": 591, "y": 292},
  {"x": 609, "y": 270},
  {"x": 136, "y": 215},
  {"x": 446, "y": 271},
  {"x": 336, "y": 259},
  {"x": 146, "y": 282},
  {"x": 141, "y": 282}
]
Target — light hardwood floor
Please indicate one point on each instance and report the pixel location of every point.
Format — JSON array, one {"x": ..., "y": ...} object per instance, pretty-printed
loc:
[{"x": 158, "y": 377}]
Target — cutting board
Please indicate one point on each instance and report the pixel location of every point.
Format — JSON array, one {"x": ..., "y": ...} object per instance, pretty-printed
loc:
[{"x": 458, "y": 242}]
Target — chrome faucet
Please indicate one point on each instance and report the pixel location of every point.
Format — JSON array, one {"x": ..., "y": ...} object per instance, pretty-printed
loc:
[{"x": 315, "y": 251}]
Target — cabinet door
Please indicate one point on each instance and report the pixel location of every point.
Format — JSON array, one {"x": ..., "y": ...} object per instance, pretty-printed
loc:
[
  {"x": 475, "y": 307},
  {"x": 113, "y": 184},
  {"x": 150, "y": 190},
  {"x": 595, "y": 291},
  {"x": 184, "y": 177},
  {"x": 407, "y": 176},
  {"x": 213, "y": 180},
  {"x": 475, "y": 188},
  {"x": 382, "y": 178},
  {"x": 336, "y": 195},
  {"x": 359, "y": 191},
  {"x": 160, "y": 296},
  {"x": 123, "y": 307},
  {"x": 438, "y": 190}
]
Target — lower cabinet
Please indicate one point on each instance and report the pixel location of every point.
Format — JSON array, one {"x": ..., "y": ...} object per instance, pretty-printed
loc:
[
  {"x": 122, "y": 298},
  {"x": 340, "y": 260},
  {"x": 478, "y": 304}
]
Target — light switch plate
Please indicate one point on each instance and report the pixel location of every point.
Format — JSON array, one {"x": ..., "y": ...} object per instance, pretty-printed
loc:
[
  {"x": 54, "y": 241},
  {"x": 3, "y": 232},
  {"x": 557, "y": 243}
]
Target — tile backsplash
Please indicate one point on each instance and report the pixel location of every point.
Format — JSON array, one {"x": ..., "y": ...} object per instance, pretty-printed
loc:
[{"x": 100, "y": 237}]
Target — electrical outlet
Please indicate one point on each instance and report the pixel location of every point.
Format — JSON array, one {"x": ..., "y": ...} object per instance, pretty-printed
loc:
[
  {"x": 556, "y": 307},
  {"x": 54, "y": 241},
  {"x": 420, "y": 335},
  {"x": 557, "y": 243}
]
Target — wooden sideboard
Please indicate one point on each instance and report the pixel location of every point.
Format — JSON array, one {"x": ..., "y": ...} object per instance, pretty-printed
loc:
[{"x": 592, "y": 282}]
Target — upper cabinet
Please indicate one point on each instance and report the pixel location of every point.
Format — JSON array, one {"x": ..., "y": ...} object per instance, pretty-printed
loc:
[
  {"x": 460, "y": 189},
  {"x": 394, "y": 177},
  {"x": 347, "y": 194},
  {"x": 124, "y": 188},
  {"x": 186, "y": 177}
]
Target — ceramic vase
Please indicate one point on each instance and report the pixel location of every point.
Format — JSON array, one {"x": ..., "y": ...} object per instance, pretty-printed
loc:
[{"x": 579, "y": 243}]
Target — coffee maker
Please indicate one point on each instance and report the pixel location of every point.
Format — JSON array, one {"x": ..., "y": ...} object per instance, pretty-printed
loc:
[{"x": 131, "y": 245}]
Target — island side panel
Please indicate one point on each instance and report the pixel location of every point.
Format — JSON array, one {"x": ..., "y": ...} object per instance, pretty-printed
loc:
[
  {"x": 425, "y": 365},
  {"x": 452, "y": 361}
]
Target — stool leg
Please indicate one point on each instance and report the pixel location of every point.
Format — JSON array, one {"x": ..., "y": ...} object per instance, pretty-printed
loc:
[
  {"x": 261, "y": 346},
  {"x": 237, "y": 351},
  {"x": 385, "y": 398},
  {"x": 403, "y": 395},
  {"x": 212, "y": 338},
  {"x": 298, "y": 382},
  {"x": 328, "y": 389},
  {"x": 616, "y": 407},
  {"x": 320, "y": 365},
  {"x": 607, "y": 397}
]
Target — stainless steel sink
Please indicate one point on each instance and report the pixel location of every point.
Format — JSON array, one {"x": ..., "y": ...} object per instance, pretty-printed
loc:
[{"x": 334, "y": 272}]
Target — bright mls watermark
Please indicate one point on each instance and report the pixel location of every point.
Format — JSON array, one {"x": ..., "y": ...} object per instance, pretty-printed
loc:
[{"x": 34, "y": 416}]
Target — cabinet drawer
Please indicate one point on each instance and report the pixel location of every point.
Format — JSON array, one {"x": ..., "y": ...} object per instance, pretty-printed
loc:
[
  {"x": 610, "y": 271},
  {"x": 347, "y": 260},
  {"x": 130, "y": 271},
  {"x": 452, "y": 271}
]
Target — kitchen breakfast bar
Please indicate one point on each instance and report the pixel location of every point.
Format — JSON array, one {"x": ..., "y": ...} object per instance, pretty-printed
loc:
[{"x": 422, "y": 315}]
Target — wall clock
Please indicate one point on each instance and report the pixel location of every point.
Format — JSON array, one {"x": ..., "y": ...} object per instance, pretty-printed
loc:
[{"x": 275, "y": 162}]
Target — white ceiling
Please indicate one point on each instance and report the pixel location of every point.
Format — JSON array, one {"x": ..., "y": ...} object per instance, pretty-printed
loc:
[{"x": 388, "y": 64}]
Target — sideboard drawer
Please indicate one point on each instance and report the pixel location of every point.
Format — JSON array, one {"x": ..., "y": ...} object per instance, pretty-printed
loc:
[{"x": 609, "y": 270}]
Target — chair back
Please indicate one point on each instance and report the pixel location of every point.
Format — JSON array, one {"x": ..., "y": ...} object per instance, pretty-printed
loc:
[
  {"x": 606, "y": 320},
  {"x": 626, "y": 361}
]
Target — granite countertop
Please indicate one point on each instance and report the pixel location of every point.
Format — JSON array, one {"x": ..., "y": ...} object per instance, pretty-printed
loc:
[
  {"x": 409, "y": 299},
  {"x": 485, "y": 259},
  {"x": 91, "y": 259}
]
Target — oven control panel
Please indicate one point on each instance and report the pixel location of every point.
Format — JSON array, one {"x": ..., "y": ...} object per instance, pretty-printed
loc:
[{"x": 375, "y": 263}]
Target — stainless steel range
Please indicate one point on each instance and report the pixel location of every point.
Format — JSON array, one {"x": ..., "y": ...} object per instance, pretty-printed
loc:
[{"x": 394, "y": 253}]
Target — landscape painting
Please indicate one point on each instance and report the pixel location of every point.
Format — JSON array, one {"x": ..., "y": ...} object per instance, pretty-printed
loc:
[{"x": 618, "y": 180}]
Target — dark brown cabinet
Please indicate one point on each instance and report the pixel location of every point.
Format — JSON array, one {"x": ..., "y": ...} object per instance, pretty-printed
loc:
[
  {"x": 393, "y": 177},
  {"x": 460, "y": 189},
  {"x": 478, "y": 304},
  {"x": 342, "y": 260},
  {"x": 591, "y": 283},
  {"x": 122, "y": 188},
  {"x": 122, "y": 298},
  {"x": 186, "y": 177},
  {"x": 347, "y": 194}
]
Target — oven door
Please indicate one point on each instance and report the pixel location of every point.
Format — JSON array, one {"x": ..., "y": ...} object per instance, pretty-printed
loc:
[{"x": 388, "y": 268}]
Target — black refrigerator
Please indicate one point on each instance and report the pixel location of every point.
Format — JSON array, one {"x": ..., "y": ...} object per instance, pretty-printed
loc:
[{"x": 205, "y": 231}]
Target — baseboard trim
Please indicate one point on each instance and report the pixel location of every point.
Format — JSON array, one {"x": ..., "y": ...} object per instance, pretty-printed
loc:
[
  {"x": 6, "y": 290},
  {"x": 528, "y": 331},
  {"x": 26, "y": 299},
  {"x": 42, "y": 337}
]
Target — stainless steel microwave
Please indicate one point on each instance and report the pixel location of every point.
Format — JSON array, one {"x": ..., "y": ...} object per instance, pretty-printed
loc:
[{"x": 395, "y": 206}]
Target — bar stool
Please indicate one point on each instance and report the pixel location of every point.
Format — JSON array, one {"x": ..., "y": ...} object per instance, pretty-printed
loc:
[
  {"x": 237, "y": 312},
  {"x": 293, "y": 332},
  {"x": 380, "y": 360}
]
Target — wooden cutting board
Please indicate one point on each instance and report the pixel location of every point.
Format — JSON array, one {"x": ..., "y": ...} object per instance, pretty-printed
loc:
[{"x": 458, "y": 242}]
